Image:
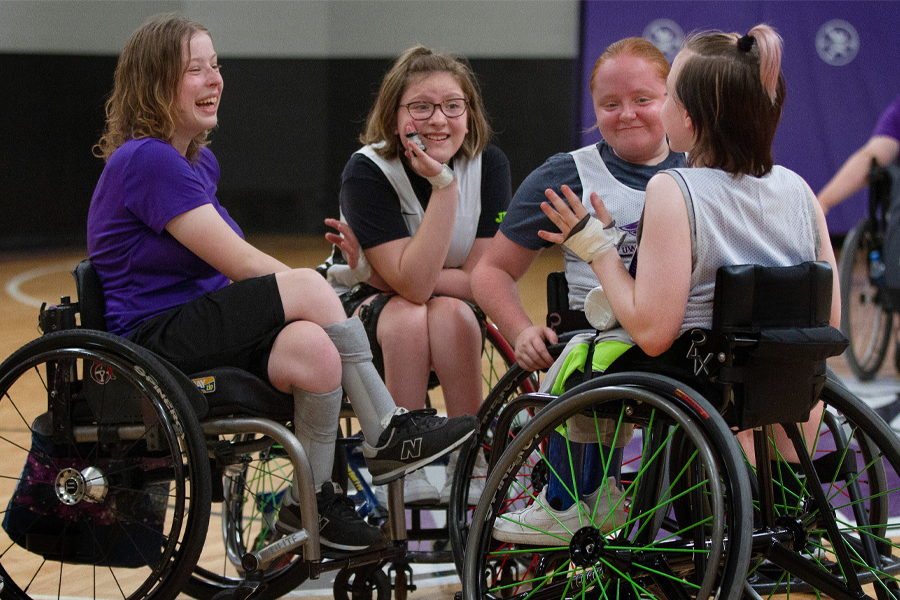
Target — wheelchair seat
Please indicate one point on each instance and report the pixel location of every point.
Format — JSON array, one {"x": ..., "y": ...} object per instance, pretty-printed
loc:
[
  {"x": 763, "y": 360},
  {"x": 217, "y": 392}
]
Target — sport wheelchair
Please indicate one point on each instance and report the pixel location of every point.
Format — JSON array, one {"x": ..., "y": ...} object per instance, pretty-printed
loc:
[
  {"x": 706, "y": 516},
  {"x": 870, "y": 277},
  {"x": 113, "y": 460}
]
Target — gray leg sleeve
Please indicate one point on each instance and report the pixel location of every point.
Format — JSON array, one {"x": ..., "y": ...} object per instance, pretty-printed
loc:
[
  {"x": 316, "y": 418},
  {"x": 370, "y": 399}
]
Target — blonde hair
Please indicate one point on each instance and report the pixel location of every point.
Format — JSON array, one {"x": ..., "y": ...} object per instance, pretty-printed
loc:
[
  {"x": 144, "y": 97},
  {"x": 412, "y": 65},
  {"x": 733, "y": 90}
]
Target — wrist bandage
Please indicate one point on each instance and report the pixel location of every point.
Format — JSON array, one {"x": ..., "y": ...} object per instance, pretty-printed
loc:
[
  {"x": 589, "y": 238},
  {"x": 442, "y": 179}
]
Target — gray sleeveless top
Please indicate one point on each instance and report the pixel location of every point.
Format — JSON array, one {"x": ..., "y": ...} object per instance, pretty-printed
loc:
[
  {"x": 769, "y": 221},
  {"x": 468, "y": 211},
  {"x": 622, "y": 201}
]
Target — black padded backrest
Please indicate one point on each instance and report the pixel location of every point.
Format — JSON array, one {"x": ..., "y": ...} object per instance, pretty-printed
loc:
[
  {"x": 559, "y": 317},
  {"x": 91, "y": 303},
  {"x": 750, "y": 297}
]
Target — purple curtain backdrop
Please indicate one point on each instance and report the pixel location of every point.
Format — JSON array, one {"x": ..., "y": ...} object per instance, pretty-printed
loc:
[{"x": 841, "y": 66}]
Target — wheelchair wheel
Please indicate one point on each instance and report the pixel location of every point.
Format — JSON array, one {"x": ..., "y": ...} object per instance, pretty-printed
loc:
[
  {"x": 254, "y": 487},
  {"x": 680, "y": 526},
  {"x": 841, "y": 534},
  {"x": 514, "y": 382},
  {"x": 108, "y": 492},
  {"x": 863, "y": 320}
]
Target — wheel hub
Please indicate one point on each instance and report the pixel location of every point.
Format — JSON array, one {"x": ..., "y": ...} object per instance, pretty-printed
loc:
[
  {"x": 73, "y": 486},
  {"x": 586, "y": 546}
]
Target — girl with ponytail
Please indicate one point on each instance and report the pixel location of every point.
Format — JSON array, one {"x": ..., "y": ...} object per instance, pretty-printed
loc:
[{"x": 731, "y": 206}]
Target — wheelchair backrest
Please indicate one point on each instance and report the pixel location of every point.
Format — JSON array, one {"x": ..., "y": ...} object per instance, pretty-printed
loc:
[
  {"x": 775, "y": 325},
  {"x": 749, "y": 298},
  {"x": 884, "y": 195},
  {"x": 560, "y": 318},
  {"x": 91, "y": 302}
]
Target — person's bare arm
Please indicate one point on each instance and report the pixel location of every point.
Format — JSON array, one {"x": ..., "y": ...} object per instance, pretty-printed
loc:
[
  {"x": 205, "y": 233},
  {"x": 411, "y": 266},
  {"x": 650, "y": 307},
  {"x": 852, "y": 176},
  {"x": 494, "y": 284}
]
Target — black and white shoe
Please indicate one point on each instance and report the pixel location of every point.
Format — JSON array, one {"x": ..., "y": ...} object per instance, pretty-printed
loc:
[
  {"x": 412, "y": 440},
  {"x": 340, "y": 526}
]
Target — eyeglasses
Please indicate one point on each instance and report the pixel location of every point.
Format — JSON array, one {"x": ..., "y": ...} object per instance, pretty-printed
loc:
[{"x": 422, "y": 110}]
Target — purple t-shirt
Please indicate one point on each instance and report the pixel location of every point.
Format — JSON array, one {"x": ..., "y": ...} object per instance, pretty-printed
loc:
[
  {"x": 144, "y": 270},
  {"x": 889, "y": 123}
]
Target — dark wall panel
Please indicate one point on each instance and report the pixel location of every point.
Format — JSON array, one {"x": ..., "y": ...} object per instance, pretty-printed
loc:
[{"x": 286, "y": 128}]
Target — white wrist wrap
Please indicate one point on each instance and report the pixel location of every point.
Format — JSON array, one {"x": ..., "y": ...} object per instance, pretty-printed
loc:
[
  {"x": 442, "y": 179},
  {"x": 593, "y": 240},
  {"x": 363, "y": 271}
]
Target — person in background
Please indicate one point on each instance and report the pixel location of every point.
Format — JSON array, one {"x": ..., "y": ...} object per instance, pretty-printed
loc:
[
  {"x": 628, "y": 88},
  {"x": 422, "y": 198},
  {"x": 883, "y": 147},
  {"x": 167, "y": 253}
]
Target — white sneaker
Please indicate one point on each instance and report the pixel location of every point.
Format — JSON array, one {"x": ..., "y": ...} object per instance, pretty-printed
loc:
[
  {"x": 476, "y": 485},
  {"x": 540, "y": 525},
  {"x": 604, "y": 520},
  {"x": 416, "y": 490}
]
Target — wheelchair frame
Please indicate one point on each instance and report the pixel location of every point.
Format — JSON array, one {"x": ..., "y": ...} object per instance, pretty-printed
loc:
[
  {"x": 706, "y": 517},
  {"x": 157, "y": 416},
  {"x": 867, "y": 313}
]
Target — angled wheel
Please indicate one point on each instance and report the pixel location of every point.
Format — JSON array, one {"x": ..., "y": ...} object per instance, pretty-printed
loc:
[
  {"x": 863, "y": 320},
  {"x": 108, "y": 494},
  {"x": 679, "y": 525},
  {"x": 512, "y": 383},
  {"x": 254, "y": 486},
  {"x": 839, "y": 516}
]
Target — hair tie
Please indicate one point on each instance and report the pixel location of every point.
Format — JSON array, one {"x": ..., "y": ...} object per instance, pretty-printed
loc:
[{"x": 745, "y": 43}]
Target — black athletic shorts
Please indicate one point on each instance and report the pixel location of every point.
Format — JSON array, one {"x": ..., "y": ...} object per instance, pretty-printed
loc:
[{"x": 231, "y": 327}]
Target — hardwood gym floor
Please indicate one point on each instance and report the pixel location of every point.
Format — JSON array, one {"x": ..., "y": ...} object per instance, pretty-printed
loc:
[{"x": 32, "y": 278}]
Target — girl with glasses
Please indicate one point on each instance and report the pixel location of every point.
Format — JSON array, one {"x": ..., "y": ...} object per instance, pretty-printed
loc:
[{"x": 423, "y": 216}]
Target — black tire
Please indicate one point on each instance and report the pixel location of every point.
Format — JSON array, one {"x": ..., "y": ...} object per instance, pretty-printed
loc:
[
  {"x": 254, "y": 488},
  {"x": 687, "y": 529},
  {"x": 513, "y": 383},
  {"x": 863, "y": 498},
  {"x": 143, "y": 538},
  {"x": 377, "y": 585},
  {"x": 863, "y": 321}
]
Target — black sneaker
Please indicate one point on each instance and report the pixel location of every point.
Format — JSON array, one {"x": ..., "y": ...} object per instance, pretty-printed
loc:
[
  {"x": 340, "y": 526},
  {"x": 414, "y": 439}
]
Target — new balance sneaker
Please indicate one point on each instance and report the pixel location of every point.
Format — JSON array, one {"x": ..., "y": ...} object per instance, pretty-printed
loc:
[
  {"x": 416, "y": 490},
  {"x": 476, "y": 485},
  {"x": 340, "y": 526},
  {"x": 541, "y": 525},
  {"x": 412, "y": 440}
]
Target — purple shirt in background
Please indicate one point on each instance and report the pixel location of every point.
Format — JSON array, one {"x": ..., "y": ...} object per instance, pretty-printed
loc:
[
  {"x": 144, "y": 270},
  {"x": 889, "y": 123}
]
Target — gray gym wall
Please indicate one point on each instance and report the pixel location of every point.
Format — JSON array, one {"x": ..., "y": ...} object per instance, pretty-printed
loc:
[{"x": 299, "y": 79}]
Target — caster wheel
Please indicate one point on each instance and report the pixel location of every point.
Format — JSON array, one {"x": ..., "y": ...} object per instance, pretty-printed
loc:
[{"x": 376, "y": 586}]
